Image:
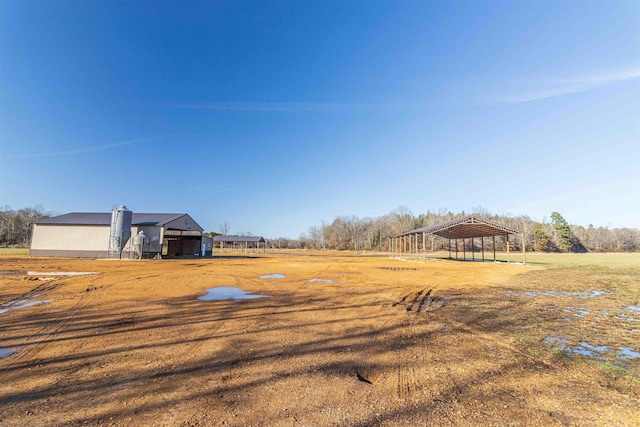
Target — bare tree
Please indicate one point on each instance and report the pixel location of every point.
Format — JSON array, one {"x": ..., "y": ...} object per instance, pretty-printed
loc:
[{"x": 225, "y": 228}]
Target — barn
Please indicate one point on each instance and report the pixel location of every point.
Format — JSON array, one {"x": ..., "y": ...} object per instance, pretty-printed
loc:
[{"x": 108, "y": 235}]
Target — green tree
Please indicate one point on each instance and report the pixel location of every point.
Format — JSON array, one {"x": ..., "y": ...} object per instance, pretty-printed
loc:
[
  {"x": 562, "y": 232},
  {"x": 543, "y": 241}
]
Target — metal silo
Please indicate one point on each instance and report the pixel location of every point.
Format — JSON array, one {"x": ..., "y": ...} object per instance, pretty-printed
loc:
[
  {"x": 120, "y": 231},
  {"x": 139, "y": 242}
]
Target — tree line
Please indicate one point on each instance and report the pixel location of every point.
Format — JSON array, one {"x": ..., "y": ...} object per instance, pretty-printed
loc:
[
  {"x": 372, "y": 234},
  {"x": 553, "y": 235},
  {"x": 15, "y": 226}
]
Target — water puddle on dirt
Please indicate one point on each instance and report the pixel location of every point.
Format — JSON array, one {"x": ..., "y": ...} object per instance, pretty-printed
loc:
[
  {"x": 628, "y": 353},
  {"x": 633, "y": 309},
  {"x": 23, "y": 303},
  {"x": 580, "y": 294},
  {"x": 587, "y": 350},
  {"x": 228, "y": 292},
  {"x": 399, "y": 268},
  {"x": 4, "y": 352},
  {"x": 577, "y": 312},
  {"x": 321, "y": 281},
  {"x": 272, "y": 276}
]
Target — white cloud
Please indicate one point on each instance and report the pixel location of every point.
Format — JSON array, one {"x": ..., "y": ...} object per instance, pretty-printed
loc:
[
  {"x": 559, "y": 87},
  {"x": 89, "y": 149},
  {"x": 292, "y": 107}
]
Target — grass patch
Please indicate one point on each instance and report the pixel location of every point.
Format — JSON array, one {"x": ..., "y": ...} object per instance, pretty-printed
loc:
[
  {"x": 585, "y": 301},
  {"x": 621, "y": 260},
  {"x": 14, "y": 251}
]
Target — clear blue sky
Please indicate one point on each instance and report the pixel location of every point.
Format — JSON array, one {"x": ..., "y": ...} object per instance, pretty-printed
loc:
[{"x": 275, "y": 115}]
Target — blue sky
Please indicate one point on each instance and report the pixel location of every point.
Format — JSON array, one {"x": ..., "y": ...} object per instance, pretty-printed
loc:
[{"x": 275, "y": 115}]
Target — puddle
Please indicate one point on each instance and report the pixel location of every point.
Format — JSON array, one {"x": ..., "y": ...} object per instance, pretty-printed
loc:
[
  {"x": 321, "y": 281},
  {"x": 4, "y": 352},
  {"x": 272, "y": 276},
  {"x": 579, "y": 294},
  {"x": 634, "y": 310},
  {"x": 556, "y": 343},
  {"x": 16, "y": 304},
  {"x": 587, "y": 350},
  {"x": 228, "y": 292},
  {"x": 577, "y": 312},
  {"x": 628, "y": 353},
  {"x": 627, "y": 318},
  {"x": 399, "y": 268}
]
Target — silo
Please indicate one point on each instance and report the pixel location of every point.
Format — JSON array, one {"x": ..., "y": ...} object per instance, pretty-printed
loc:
[
  {"x": 139, "y": 240},
  {"x": 120, "y": 231}
]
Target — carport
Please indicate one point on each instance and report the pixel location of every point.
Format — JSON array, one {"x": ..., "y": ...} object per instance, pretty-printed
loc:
[
  {"x": 244, "y": 243},
  {"x": 469, "y": 227}
]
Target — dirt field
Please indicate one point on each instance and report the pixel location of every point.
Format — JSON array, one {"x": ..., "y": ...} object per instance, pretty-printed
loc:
[{"x": 341, "y": 340}]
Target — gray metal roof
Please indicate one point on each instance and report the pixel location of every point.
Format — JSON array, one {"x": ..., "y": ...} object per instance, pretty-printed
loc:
[
  {"x": 464, "y": 228},
  {"x": 230, "y": 239},
  {"x": 104, "y": 218}
]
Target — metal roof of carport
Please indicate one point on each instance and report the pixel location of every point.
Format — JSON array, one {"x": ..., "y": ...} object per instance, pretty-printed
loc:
[
  {"x": 464, "y": 228},
  {"x": 231, "y": 239}
]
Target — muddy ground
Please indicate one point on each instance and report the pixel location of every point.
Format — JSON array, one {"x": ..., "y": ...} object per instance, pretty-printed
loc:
[{"x": 340, "y": 341}]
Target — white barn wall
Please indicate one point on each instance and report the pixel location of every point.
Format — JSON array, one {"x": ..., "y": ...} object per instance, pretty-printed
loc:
[{"x": 70, "y": 240}]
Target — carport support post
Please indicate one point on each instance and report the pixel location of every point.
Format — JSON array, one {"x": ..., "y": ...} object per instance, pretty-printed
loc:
[
  {"x": 482, "y": 244},
  {"x": 456, "y": 248},
  {"x": 494, "y": 248},
  {"x": 508, "y": 259},
  {"x": 449, "y": 247},
  {"x": 473, "y": 254},
  {"x": 464, "y": 249}
]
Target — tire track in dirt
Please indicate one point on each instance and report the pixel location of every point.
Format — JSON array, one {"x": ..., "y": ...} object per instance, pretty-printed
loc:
[
  {"x": 37, "y": 291},
  {"x": 415, "y": 303},
  {"x": 38, "y": 341}
]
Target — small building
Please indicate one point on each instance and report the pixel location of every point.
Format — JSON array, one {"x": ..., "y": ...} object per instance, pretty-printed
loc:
[
  {"x": 89, "y": 235},
  {"x": 207, "y": 246}
]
